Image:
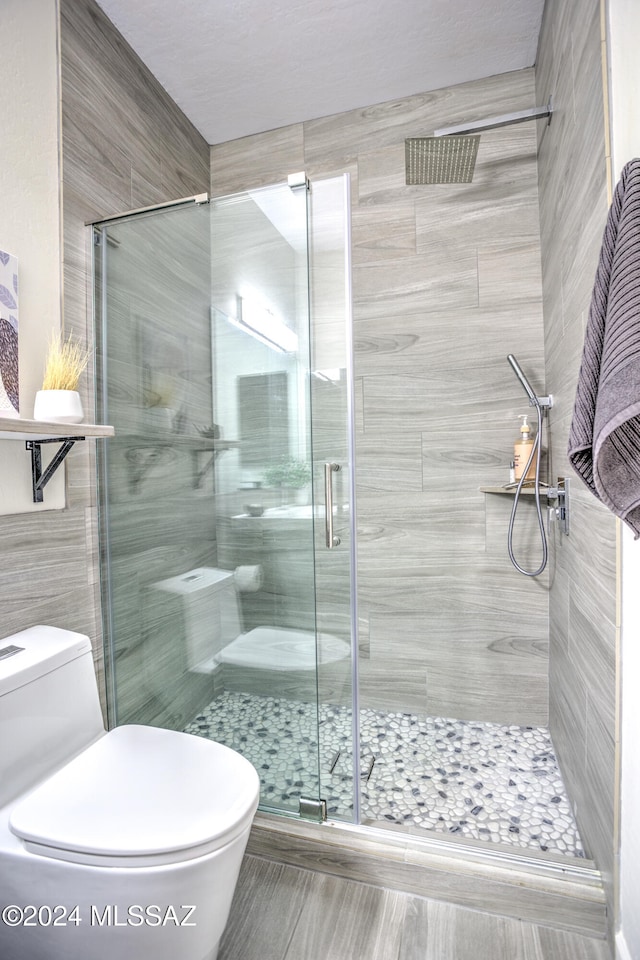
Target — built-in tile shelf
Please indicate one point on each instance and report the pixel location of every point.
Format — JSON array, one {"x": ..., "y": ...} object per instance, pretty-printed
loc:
[
  {"x": 510, "y": 491},
  {"x": 37, "y": 432}
]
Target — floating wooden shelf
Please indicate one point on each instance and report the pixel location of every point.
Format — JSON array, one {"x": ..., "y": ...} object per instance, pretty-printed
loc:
[
  {"x": 37, "y": 432},
  {"x": 14, "y": 428}
]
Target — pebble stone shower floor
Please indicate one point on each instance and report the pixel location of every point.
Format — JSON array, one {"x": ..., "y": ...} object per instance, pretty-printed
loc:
[{"x": 484, "y": 781}]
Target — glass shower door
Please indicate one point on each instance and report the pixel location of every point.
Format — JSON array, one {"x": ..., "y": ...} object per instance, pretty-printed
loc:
[
  {"x": 332, "y": 443},
  {"x": 225, "y": 613},
  {"x": 282, "y": 375},
  {"x": 264, "y": 498}
]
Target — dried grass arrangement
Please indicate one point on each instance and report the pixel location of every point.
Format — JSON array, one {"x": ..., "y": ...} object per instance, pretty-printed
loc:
[{"x": 65, "y": 363}]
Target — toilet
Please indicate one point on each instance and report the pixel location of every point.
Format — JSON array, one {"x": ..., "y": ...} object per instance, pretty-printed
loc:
[
  {"x": 125, "y": 843},
  {"x": 206, "y": 605}
]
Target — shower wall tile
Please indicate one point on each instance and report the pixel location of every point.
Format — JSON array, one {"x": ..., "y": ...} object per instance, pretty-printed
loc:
[
  {"x": 394, "y": 466},
  {"x": 395, "y": 288},
  {"x": 579, "y": 258},
  {"x": 509, "y": 272},
  {"x": 336, "y": 141},
  {"x": 482, "y": 336},
  {"x": 600, "y": 772},
  {"x": 106, "y": 87},
  {"x": 467, "y": 446},
  {"x": 560, "y": 588},
  {"x": 568, "y": 722},
  {"x": 559, "y": 431},
  {"x": 503, "y": 203},
  {"x": 146, "y": 183},
  {"x": 565, "y": 356},
  {"x": 393, "y": 683},
  {"x": 592, "y": 535},
  {"x": 465, "y": 649},
  {"x": 527, "y": 546},
  {"x": 387, "y": 397},
  {"x": 386, "y": 232},
  {"x": 463, "y": 685},
  {"x": 97, "y": 168},
  {"x": 588, "y": 626},
  {"x": 256, "y": 161},
  {"x": 573, "y": 208},
  {"x": 382, "y": 177},
  {"x": 416, "y": 534}
]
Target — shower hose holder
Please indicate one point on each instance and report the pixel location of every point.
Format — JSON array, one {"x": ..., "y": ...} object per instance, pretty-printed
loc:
[
  {"x": 560, "y": 510},
  {"x": 544, "y": 402}
]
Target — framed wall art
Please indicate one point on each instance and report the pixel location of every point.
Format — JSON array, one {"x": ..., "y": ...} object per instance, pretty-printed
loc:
[{"x": 9, "y": 383}]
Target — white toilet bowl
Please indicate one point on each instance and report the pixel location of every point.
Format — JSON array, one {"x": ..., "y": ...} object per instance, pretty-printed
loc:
[{"x": 128, "y": 848}]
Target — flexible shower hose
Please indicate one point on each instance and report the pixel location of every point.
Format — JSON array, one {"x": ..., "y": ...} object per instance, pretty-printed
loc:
[{"x": 536, "y": 451}]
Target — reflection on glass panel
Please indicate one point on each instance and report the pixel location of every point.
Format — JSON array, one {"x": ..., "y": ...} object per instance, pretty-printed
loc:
[
  {"x": 263, "y": 414},
  {"x": 331, "y": 391},
  {"x": 154, "y": 355},
  {"x": 226, "y": 613},
  {"x": 260, "y": 349}
]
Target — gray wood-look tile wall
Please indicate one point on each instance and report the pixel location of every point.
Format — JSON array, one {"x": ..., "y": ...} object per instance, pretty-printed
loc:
[
  {"x": 446, "y": 282},
  {"x": 125, "y": 144},
  {"x": 573, "y": 206}
]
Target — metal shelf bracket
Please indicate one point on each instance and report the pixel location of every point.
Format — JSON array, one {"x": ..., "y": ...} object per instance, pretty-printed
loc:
[{"x": 40, "y": 478}]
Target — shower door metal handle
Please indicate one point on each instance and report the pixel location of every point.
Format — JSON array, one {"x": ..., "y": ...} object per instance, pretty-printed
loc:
[{"x": 331, "y": 540}]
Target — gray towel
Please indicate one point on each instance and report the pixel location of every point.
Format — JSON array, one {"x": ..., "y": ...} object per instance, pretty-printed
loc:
[{"x": 604, "y": 440}]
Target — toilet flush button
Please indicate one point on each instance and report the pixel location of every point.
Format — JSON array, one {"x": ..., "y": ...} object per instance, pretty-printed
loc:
[{"x": 10, "y": 651}]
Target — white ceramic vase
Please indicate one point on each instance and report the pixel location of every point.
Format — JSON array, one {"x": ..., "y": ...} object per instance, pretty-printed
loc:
[{"x": 58, "y": 406}]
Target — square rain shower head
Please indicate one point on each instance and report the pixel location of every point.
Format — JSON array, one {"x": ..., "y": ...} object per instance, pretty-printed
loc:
[{"x": 449, "y": 159}]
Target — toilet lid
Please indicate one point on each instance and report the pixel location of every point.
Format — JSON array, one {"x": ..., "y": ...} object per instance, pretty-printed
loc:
[{"x": 141, "y": 792}]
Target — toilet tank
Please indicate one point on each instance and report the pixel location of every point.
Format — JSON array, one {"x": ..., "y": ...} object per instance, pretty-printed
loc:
[
  {"x": 209, "y": 612},
  {"x": 49, "y": 705}
]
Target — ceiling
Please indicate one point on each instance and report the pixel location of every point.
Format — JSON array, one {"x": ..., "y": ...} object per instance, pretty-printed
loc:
[{"x": 239, "y": 67}]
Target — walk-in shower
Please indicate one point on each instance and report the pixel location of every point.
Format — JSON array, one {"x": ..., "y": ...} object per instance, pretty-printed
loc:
[{"x": 229, "y": 574}]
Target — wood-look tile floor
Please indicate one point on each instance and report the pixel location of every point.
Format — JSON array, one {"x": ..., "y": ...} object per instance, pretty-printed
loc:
[{"x": 285, "y": 913}]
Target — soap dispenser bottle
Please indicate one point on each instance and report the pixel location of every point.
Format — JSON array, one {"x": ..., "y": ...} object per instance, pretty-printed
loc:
[{"x": 522, "y": 450}]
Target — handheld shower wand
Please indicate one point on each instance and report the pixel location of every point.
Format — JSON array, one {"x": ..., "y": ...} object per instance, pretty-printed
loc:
[
  {"x": 536, "y": 451},
  {"x": 517, "y": 369}
]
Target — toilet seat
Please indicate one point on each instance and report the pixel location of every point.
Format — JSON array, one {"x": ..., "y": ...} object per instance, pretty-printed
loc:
[
  {"x": 140, "y": 796},
  {"x": 284, "y": 649}
]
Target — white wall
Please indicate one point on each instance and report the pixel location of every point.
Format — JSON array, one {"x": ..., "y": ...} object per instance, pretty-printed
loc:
[
  {"x": 624, "y": 43},
  {"x": 30, "y": 212}
]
